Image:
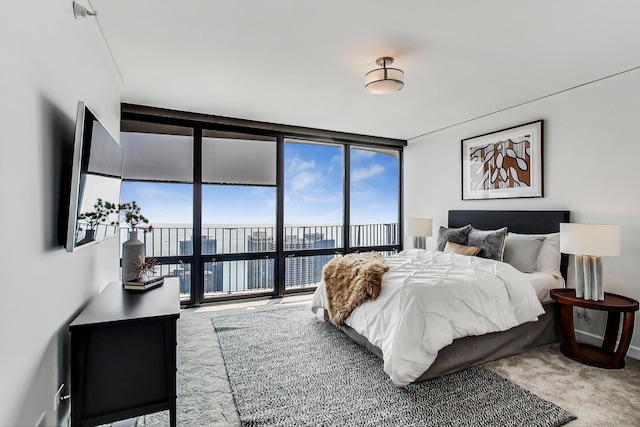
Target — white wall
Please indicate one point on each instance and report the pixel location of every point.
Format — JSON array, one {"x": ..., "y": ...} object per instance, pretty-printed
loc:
[
  {"x": 591, "y": 164},
  {"x": 50, "y": 61}
]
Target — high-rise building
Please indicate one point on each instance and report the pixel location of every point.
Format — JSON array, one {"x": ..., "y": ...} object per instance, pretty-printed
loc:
[
  {"x": 208, "y": 246},
  {"x": 320, "y": 260},
  {"x": 299, "y": 270},
  {"x": 184, "y": 278},
  {"x": 213, "y": 273},
  {"x": 260, "y": 272}
]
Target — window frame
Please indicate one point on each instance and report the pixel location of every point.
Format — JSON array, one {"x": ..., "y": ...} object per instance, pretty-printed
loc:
[{"x": 135, "y": 118}]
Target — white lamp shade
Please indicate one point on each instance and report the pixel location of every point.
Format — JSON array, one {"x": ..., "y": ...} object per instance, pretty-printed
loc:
[
  {"x": 418, "y": 227},
  {"x": 590, "y": 239},
  {"x": 384, "y": 80}
]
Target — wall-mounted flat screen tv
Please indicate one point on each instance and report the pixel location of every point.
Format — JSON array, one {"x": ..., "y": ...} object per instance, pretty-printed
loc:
[{"x": 95, "y": 182}]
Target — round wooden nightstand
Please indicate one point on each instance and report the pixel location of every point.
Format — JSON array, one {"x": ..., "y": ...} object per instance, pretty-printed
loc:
[{"x": 607, "y": 356}]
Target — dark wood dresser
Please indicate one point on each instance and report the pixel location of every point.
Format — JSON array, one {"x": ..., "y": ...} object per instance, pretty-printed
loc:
[{"x": 123, "y": 355}]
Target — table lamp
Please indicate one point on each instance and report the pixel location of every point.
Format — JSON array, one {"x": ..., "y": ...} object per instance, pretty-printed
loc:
[
  {"x": 419, "y": 229},
  {"x": 589, "y": 242}
]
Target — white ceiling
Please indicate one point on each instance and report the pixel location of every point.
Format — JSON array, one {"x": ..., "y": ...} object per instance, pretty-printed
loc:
[{"x": 302, "y": 62}]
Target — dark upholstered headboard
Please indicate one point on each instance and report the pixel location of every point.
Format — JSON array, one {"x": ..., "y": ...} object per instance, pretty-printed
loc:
[{"x": 523, "y": 222}]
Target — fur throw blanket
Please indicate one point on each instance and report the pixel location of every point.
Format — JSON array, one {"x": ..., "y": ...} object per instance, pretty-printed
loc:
[{"x": 351, "y": 280}]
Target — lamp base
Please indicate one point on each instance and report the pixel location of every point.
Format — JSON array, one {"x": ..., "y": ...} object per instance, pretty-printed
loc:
[
  {"x": 419, "y": 242},
  {"x": 589, "y": 277}
]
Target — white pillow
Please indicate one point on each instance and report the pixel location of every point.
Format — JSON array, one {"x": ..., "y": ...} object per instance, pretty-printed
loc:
[
  {"x": 521, "y": 251},
  {"x": 549, "y": 256}
]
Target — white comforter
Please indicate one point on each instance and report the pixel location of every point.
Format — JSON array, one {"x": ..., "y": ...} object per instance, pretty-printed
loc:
[{"x": 428, "y": 299}]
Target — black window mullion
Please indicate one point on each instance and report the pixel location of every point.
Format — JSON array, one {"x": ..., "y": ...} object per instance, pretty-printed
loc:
[
  {"x": 279, "y": 273},
  {"x": 197, "y": 282},
  {"x": 346, "y": 226}
]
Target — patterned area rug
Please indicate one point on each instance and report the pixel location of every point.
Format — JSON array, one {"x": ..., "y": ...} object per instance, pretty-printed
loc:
[{"x": 289, "y": 368}]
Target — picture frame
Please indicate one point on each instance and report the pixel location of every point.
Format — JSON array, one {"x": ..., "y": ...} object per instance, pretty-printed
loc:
[{"x": 504, "y": 164}]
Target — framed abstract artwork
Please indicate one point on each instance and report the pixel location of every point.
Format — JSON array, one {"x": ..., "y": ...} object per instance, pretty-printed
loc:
[{"x": 504, "y": 164}]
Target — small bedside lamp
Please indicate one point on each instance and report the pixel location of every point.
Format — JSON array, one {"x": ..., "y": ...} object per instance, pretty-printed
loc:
[
  {"x": 419, "y": 229},
  {"x": 589, "y": 242}
]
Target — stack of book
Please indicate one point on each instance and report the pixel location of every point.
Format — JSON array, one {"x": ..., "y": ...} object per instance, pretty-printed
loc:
[{"x": 143, "y": 284}]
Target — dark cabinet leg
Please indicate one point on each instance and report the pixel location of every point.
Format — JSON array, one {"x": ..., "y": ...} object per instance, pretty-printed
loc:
[
  {"x": 172, "y": 416},
  {"x": 78, "y": 356},
  {"x": 171, "y": 343}
]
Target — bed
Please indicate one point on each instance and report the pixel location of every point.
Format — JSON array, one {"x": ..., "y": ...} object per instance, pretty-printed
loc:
[{"x": 466, "y": 351}]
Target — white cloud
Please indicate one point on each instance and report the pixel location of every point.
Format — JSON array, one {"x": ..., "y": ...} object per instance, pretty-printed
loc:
[
  {"x": 366, "y": 172},
  {"x": 303, "y": 180},
  {"x": 359, "y": 154},
  {"x": 298, "y": 165}
]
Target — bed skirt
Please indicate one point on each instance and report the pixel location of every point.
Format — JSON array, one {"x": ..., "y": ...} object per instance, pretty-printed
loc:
[{"x": 468, "y": 351}]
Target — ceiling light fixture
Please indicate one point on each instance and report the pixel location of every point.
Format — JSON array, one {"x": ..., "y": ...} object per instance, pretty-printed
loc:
[
  {"x": 80, "y": 11},
  {"x": 384, "y": 80}
]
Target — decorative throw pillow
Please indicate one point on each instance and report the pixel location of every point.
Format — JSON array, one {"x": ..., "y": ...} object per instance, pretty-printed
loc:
[
  {"x": 462, "y": 249},
  {"x": 521, "y": 251},
  {"x": 455, "y": 235},
  {"x": 490, "y": 241}
]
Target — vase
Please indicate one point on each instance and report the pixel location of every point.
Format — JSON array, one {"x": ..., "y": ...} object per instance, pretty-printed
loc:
[
  {"x": 132, "y": 250},
  {"x": 89, "y": 236}
]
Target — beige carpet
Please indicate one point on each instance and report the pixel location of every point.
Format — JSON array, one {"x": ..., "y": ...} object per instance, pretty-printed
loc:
[{"x": 597, "y": 397}]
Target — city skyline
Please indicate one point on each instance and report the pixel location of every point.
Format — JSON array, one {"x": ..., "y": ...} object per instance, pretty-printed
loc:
[
  {"x": 165, "y": 241},
  {"x": 257, "y": 274}
]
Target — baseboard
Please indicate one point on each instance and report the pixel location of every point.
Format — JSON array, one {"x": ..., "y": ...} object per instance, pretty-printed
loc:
[{"x": 593, "y": 339}]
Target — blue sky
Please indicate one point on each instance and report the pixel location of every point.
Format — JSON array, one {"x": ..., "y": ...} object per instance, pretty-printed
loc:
[{"x": 313, "y": 192}]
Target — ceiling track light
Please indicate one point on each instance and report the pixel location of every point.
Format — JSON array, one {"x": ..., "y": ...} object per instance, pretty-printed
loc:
[
  {"x": 80, "y": 11},
  {"x": 384, "y": 80}
]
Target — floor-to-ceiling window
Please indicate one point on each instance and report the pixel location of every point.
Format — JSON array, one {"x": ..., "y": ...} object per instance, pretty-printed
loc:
[
  {"x": 313, "y": 210},
  {"x": 158, "y": 175},
  {"x": 238, "y": 213},
  {"x": 374, "y": 197},
  {"x": 244, "y": 209}
]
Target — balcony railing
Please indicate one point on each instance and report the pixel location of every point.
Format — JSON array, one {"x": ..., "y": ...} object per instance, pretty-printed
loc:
[{"x": 251, "y": 275}]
